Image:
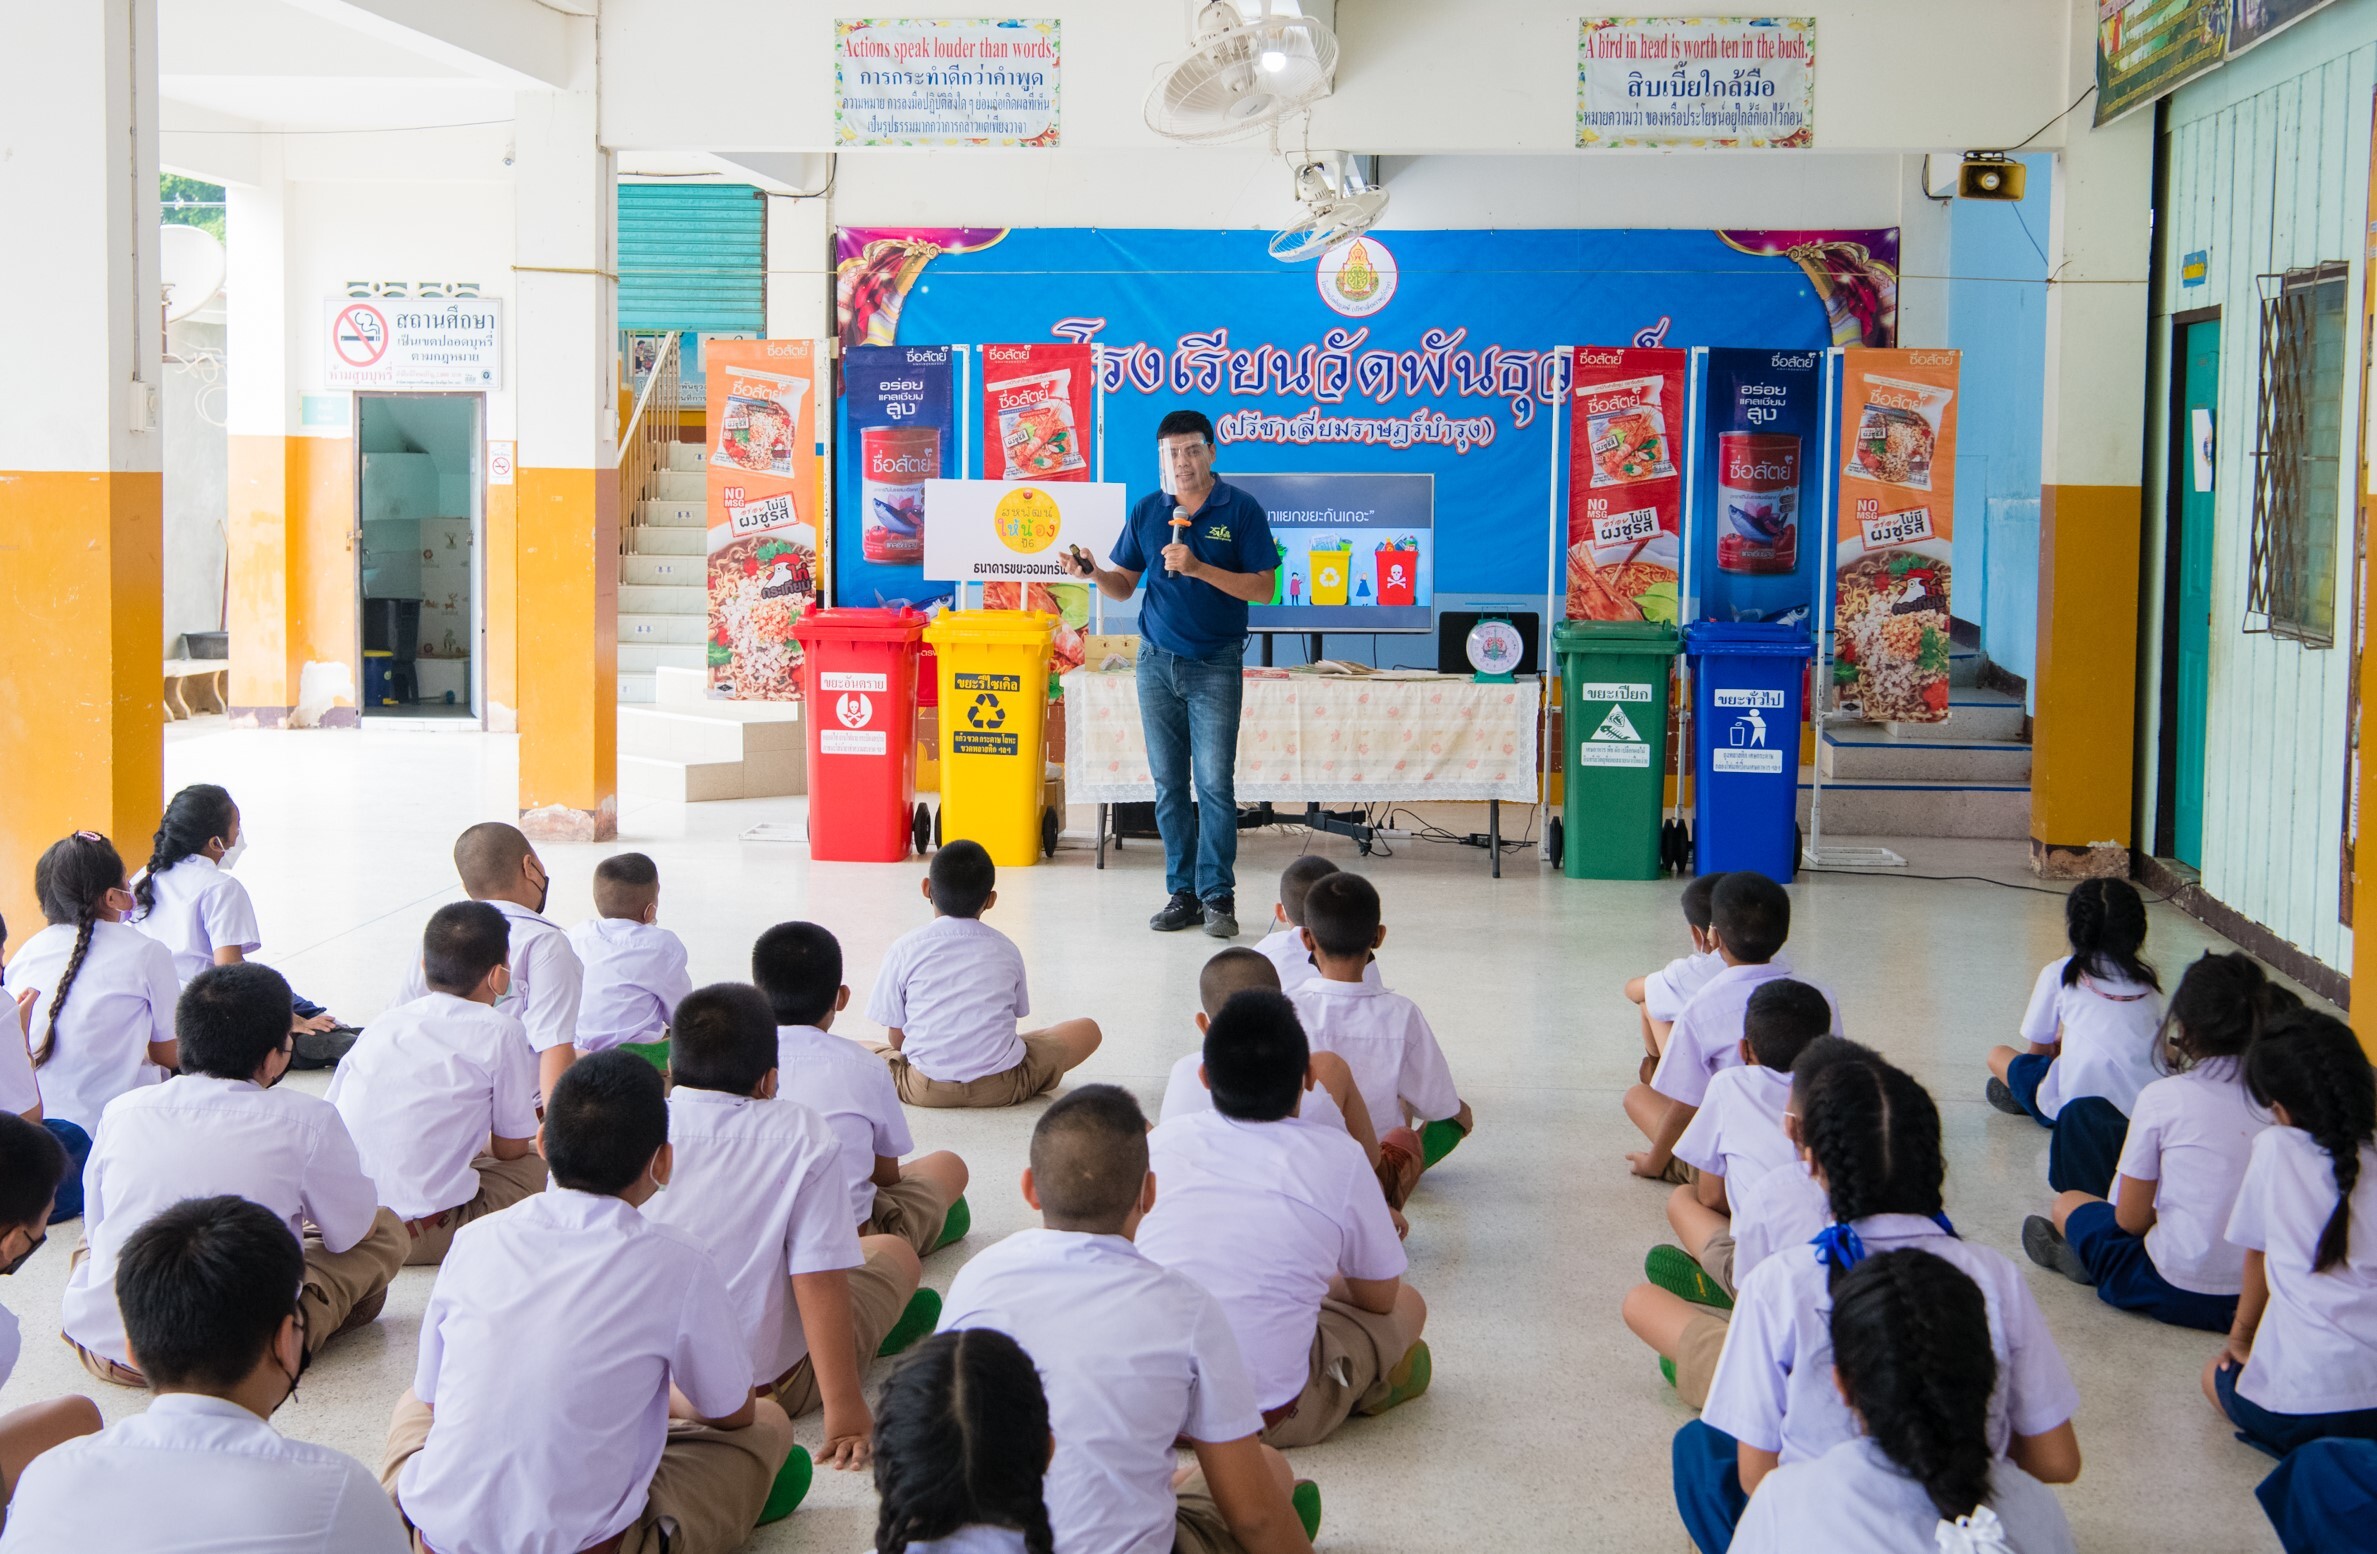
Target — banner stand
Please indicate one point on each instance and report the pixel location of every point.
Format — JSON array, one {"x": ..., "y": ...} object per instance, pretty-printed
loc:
[
  {"x": 1695, "y": 387},
  {"x": 1555, "y": 589}
]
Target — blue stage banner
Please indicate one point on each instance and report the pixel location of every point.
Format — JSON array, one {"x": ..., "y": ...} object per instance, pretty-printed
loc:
[
  {"x": 1422, "y": 352},
  {"x": 898, "y": 430}
]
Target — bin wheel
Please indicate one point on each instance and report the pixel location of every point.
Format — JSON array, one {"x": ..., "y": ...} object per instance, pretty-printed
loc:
[
  {"x": 921, "y": 830},
  {"x": 1555, "y": 835},
  {"x": 1673, "y": 848},
  {"x": 936, "y": 828},
  {"x": 1048, "y": 829},
  {"x": 1799, "y": 843}
]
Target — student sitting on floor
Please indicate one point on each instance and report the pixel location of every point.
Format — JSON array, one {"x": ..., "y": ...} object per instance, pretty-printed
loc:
[
  {"x": 1659, "y": 996},
  {"x": 1284, "y": 945},
  {"x": 32, "y": 1163},
  {"x": 1285, "y": 1226},
  {"x": 1134, "y": 1356},
  {"x": 20, "y": 1096},
  {"x": 583, "y": 1382},
  {"x": 2091, "y": 1027},
  {"x": 499, "y": 867},
  {"x": 1397, "y": 1065},
  {"x": 2160, "y": 1246},
  {"x": 757, "y": 1181},
  {"x": 206, "y": 1291},
  {"x": 1872, "y": 1135},
  {"x": 1910, "y": 1346},
  {"x": 2299, "y": 1364},
  {"x": 962, "y": 1449},
  {"x": 223, "y": 1127},
  {"x": 1751, "y": 918},
  {"x": 798, "y": 968},
  {"x": 634, "y": 968},
  {"x": 950, "y": 993},
  {"x": 440, "y": 1094}
]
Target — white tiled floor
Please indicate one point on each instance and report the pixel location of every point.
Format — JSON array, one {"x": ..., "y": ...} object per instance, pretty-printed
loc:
[{"x": 1548, "y": 1424}]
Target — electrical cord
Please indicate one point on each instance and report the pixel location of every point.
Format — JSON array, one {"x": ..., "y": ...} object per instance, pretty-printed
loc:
[{"x": 1951, "y": 879}]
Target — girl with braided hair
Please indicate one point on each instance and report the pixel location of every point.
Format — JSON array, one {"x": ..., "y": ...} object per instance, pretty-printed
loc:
[
  {"x": 2301, "y": 1358},
  {"x": 1871, "y": 1137},
  {"x": 961, "y": 1446},
  {"x": 2090, "y": 1030},
  {"x": 1911, "y": 1352},
  {"x": 100, "y": 1021},
  {"x": 2160, "y": 1244}
]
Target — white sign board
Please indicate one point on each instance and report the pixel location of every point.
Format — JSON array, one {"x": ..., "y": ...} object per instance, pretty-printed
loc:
[
  {"x": 1727, "y": 82},
  {"x": 431, "y": 343},
  {"x": 995, "y": 530},
  {"x": 912, "y": 82}
]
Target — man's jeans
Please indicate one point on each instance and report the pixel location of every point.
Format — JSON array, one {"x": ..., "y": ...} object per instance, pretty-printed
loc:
[{"x": 1189, "y": 707}]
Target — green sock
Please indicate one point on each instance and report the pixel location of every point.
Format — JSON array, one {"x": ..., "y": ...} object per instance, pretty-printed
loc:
[
  {"x": 655, "y": 1053},
  {"x": 791, "y": 1486},
  {"x": 1667, "y": 1369},
  {"x": 1306, "y": 1498},
  {"x": 1439, "y": 1139},
  {"x": 954, "y": 1228},
  {"x": 924, "y": 1310}
]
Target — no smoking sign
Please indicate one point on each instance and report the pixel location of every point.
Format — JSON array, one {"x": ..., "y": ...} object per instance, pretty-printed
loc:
[{"x": 360, "y": 335}]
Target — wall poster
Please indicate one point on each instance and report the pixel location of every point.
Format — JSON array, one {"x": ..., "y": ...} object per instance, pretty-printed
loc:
[
  {"x": 911, "y": 81},
  {"x": 2146, "y": 48},
  {"x": 765, "y": 509},
  {"x": 1626, "y": 426},
  {"x": 1897, "y": 519}
]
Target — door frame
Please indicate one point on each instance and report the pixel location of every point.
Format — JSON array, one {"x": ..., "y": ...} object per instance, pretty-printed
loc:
[
  {"x": 2180, "y": 478},
  {"x": 478, "y": 557}
]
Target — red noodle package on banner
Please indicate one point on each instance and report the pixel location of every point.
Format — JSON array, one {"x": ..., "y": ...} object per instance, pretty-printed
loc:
[
  {"x": 1897, "y": 518},
  {"x": 1625, "y": 484},
  {"x": 1037, "y": 411},
  {"x": 765, "y": 502}
]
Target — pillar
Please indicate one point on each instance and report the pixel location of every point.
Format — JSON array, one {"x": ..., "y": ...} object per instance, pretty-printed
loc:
[
  {"x": 566, "y": 519},
  {"x": 2091, "y": 497},
  {"x": 81, "y": 489}
]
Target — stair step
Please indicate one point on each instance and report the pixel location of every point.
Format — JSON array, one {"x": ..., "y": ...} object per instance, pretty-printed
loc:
[
  {"x": 713, "y": 731},
  {"x": 662, "y": 599},
  {"x": 652, "y": 540},
  {"x": 1857, "y": 807},
  {"x": 664, "y": 571},
  {"x": 681, "y": 485},
  {"x": 654, "y": 655},
  {"x": 675, "y": 686},
  {"x": 1880, "y": 758},
  {"x": 694, "y": 629},
  {"x": 635, "y": 688},
  {"x": 663, "y": 514},
  {"x": 1973, "y": 714},
  {"x": 647, "y": 777},
  {"x": 687, "y": 455}
]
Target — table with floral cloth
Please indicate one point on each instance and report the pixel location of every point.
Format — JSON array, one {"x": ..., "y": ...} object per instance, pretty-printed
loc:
[{"x": 1315, "y": 739}]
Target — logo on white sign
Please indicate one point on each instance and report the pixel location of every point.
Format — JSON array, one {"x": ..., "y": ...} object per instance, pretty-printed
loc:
[
  {"x": 1748, "y": 729},
  {"x": 855, "y": 710},
  {"x": 1617, "y": 726},
  {"x": 360, "y": 335}
]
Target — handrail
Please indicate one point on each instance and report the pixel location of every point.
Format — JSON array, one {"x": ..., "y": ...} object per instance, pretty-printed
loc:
[{"x": 644, "y": 445}]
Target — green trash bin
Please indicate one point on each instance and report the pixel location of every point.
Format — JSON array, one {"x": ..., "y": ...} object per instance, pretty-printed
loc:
[{"x": 1614, "y": 680}]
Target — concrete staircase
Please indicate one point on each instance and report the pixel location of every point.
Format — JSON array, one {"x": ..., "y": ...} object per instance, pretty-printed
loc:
[
  {"x": 1968, "y": 776},
  {"x": 685, "y": 747},
  {"x": 664, "y": 601}
]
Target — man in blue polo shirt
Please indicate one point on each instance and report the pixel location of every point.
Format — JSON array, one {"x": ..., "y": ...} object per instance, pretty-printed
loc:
[{"x": 1209, "y": 546}]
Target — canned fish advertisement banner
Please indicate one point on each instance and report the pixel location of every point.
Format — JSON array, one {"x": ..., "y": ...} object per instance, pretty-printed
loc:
[
  {"x": 1897, "y": 525},
  {"x": 1627, "y": 417},
  {"x": 1761, "y": 439},
  {"x": 899, "y": 430}
]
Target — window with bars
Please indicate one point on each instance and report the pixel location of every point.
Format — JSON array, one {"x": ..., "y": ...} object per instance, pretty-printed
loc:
[{"x": 2298, "y": 452}]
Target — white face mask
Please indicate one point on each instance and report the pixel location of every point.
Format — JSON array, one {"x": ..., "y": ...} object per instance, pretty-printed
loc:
[{"x": 230, "y": 858}]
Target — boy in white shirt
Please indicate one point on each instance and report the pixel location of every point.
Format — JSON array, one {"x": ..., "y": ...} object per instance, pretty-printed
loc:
[
  {"x": 635, "y": 969},
  {"x": 221, "y": 1127},
  {"x": 1660, "y": 996},
  {"x": 207, "y": 1291},
  {"x": 949, "y": 996},
  {"x": 440, "y": 1094},
  {"x": 1284, "y": 1226},
  {"x": 1133, "y": 1356},
  {"x": 583, "y": 1383},
  {"x": 499, "y": 867},
  {"x": 1284, "y": 945},
  {"x": 758, "y": 1183},
  {"x": 798, "y": 969},
  {"x": 32, "y": 1164},
  {"x": 1751, "y": 918},
  {"x": 1382, "y": 1036}
]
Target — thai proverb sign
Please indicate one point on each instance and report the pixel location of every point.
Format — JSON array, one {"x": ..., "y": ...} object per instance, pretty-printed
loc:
[
  {"x": 1737, "y": 83},
  {"x": 1897, "y": 519},
  {"x": 765, "y": 518},
  {"x": 1626, "y": 418},
  {"x": 914, "y": 82}
]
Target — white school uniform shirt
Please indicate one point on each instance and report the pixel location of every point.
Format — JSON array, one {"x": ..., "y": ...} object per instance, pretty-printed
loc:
[
  {"x": 200, "y": 1475},
  {"x": 1133, "y": 1356},
  {"x": 1284, "y": 948},
  {"x": 2316, "y": 1349},
  {"x": 759, "y": 1185},
  {"x": 1707, "y": 1034},
  {"x": 2192, "y": 1135},
  {"x": 2108, "y": 1031},
  {"x": 634, "y": 979},
  {"x": 1738, "y": 1131},
  {"x": 12, "y": 1344},
  {"x": 20, "y": 1092},
  {"x": 121, "y": 1001},
  {"x": 1667, "y": 990},
  {"x": 850, "y": 1088},
  {"x": 1774, "y": 1212},
  {"x": 424, "y": 1087},
  {"x": 954, "y": 988},
  {"x": 1866, "y": 1504},
  {"x": 1386, "y": 1041},
  {"x": 200, "y": 909},
  {"x": 1773, "y": 1388},
  {"x": 1263, "y": 1215},
  {"x": 552, "y": 1336},
  {"x": 1184, "y": 1092},
  {"x": 547, "y": 979},
  {"x": 193, "y": 1137},
  {"x": 977, "y": 1539}
]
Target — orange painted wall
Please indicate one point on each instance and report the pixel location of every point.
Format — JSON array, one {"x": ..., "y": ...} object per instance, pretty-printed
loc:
[
  {"x": 259, "y": 560},
  {"x": 2082, "y": 761},
  {"x": 322, "y": 580},
  {"x": 81, "y": 680},
  {"x": 568, "y": 643},
  {"x": 292, "y": 547},
  {"x": 502, "y": 584}
]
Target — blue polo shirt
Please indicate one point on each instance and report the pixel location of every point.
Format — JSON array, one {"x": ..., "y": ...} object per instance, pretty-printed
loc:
[{"x": 1187, "y": 615}]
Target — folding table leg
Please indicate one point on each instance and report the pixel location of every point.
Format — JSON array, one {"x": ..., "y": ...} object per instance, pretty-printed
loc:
[{"x": 1494, "y": 833}]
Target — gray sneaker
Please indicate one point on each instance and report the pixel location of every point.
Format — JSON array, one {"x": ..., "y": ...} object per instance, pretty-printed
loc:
[
  {"x": 1221, "y": 917},
  {"x": 1182, "y": 911}
]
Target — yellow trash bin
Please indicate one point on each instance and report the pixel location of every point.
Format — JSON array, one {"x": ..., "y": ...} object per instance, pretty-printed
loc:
[
  {"x": 994, "y": 705},
  {"x": 1332, "y": 571}
]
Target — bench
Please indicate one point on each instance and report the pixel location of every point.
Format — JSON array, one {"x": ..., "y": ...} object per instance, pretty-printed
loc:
[{"x": 195, "y": 685}]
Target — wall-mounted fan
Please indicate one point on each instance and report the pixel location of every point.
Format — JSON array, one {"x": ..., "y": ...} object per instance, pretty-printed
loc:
[
  {"x": 1250, "y": 66},
  {"x": 1339, "y": 204}
]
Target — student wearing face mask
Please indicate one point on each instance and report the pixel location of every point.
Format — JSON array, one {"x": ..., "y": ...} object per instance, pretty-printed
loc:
[
  {"x": 210, "y": 1296},
  {"x": 32, "y": 1163}
]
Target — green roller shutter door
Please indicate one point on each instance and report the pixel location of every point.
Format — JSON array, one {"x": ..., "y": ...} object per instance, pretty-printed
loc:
[{"x": 692, "y": 257}]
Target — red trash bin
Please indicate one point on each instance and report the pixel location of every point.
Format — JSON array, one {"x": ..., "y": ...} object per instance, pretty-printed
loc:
[{"x": 858, "y": 670}]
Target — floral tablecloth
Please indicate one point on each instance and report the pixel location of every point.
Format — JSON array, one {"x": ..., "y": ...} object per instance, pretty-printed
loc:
[{"x": 1350, "y": 738}]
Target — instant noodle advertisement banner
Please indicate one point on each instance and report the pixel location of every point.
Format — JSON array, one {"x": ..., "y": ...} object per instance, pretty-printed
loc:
[
  {"x": 1038, "y": 411},
  {"x": 1897, "y": 516},
  {"x": 1626, "y": 415},
  {"x": 765, "y": 503},
  {"x": 899, "y": 430},
  {"x": 1761, "y": 439}
]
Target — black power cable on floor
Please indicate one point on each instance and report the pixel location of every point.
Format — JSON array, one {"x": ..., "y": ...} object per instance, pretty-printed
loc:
[{"x": 1975, "y": 879}]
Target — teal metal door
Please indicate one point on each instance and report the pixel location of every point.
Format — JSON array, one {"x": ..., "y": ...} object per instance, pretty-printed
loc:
[{"x": 2199, "y": 357}]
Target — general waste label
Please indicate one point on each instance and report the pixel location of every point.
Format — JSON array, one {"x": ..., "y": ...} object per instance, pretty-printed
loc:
[
  {"x": 1611, "y": 690},
  {"x": 965, "y": 681},
  {"x": 1768, "y": 761},
  {"x": 842, "y": 741},
  {"x": 1746, "y": 698},
  {"x": 851, "y": 680}
]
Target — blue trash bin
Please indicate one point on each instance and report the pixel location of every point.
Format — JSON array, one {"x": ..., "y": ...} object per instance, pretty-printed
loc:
[{"x": 1746, "y": 678}]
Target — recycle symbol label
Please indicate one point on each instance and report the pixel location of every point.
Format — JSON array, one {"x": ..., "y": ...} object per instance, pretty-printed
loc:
[{"x": 986, "y": 712}]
